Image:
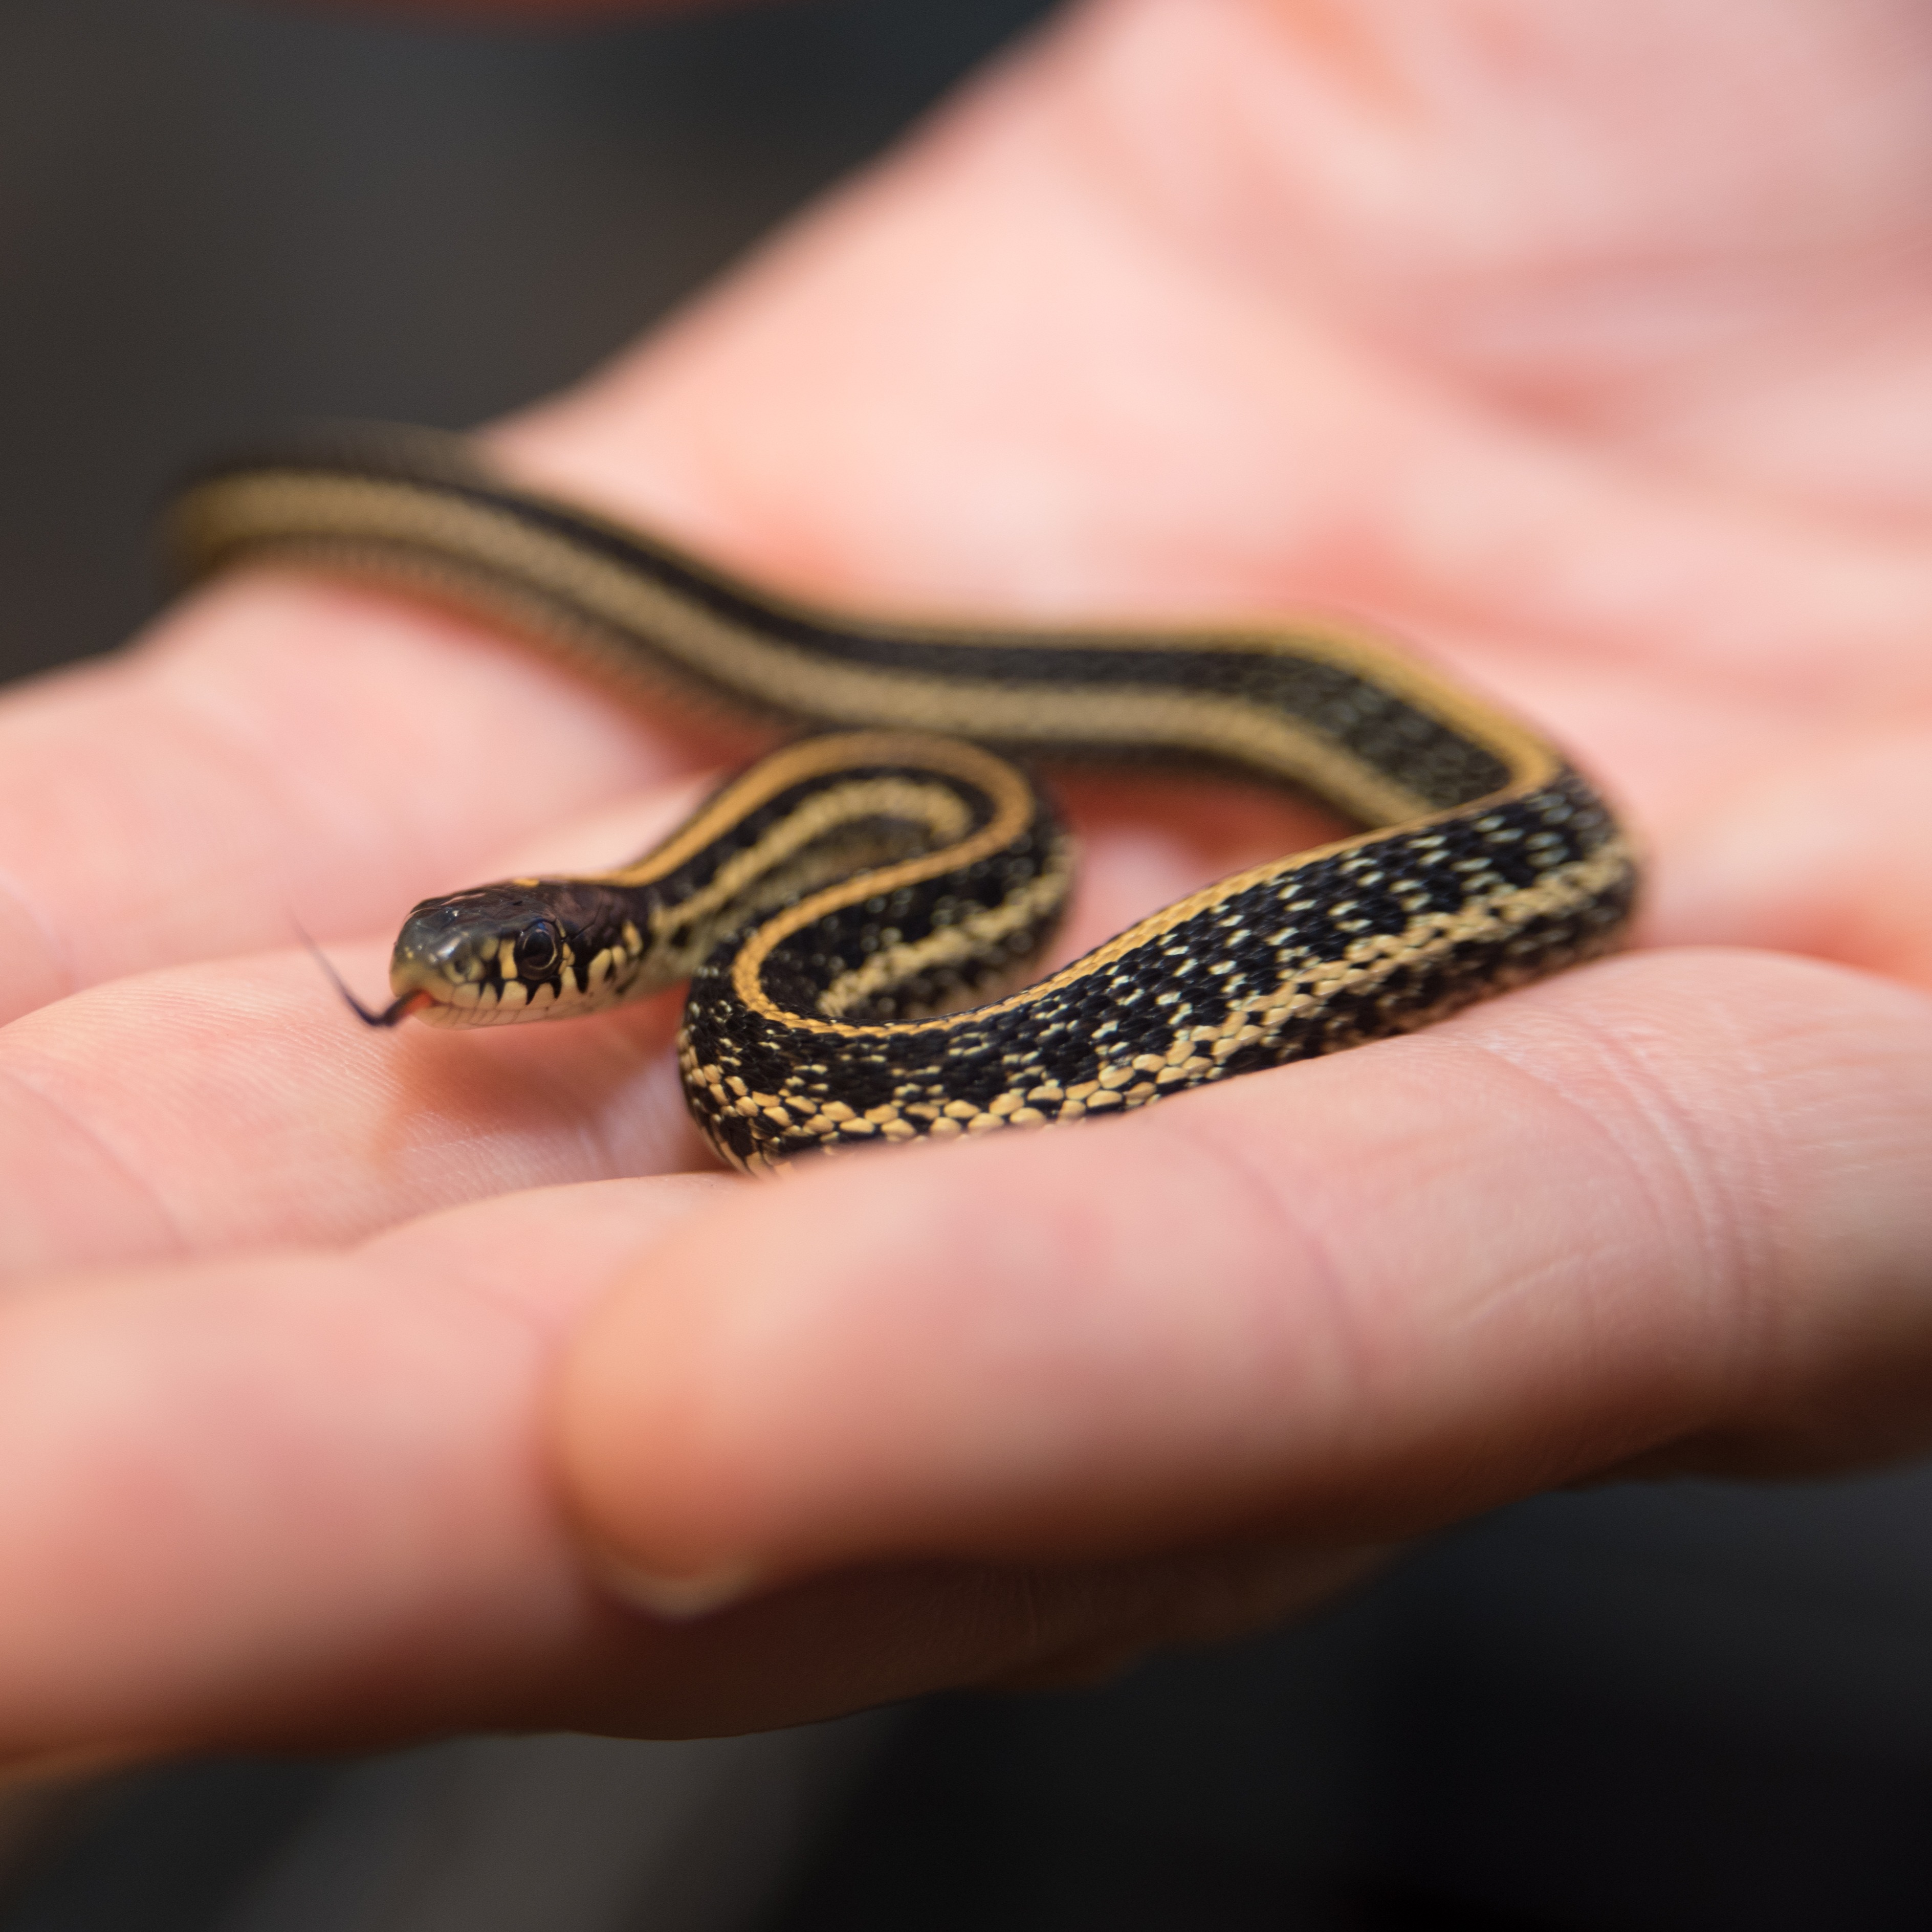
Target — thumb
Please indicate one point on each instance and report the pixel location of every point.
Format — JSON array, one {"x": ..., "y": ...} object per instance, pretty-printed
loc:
[{"x": 1677, "y": 1199}]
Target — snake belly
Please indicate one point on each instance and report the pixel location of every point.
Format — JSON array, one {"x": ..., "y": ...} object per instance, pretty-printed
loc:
[{"x": 840, "y": 907}]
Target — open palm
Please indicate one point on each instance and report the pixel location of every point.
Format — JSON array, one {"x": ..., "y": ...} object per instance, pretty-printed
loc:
[{"x": 348, "y": 1384}]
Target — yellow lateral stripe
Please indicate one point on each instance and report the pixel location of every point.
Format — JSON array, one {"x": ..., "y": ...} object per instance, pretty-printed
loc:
[{"x": 279, "y": 506}]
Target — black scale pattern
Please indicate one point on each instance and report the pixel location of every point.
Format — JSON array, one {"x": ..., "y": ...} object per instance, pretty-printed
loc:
[{"x": 1265, "y": 942}]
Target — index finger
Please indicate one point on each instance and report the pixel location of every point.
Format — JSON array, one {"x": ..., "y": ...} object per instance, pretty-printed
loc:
[
  {"x": 280, "y": 749},
  {"x": 227, "y": 1104}
]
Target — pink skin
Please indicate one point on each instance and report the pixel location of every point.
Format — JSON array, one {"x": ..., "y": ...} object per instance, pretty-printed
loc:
[{"x": 1583, "y": 344}]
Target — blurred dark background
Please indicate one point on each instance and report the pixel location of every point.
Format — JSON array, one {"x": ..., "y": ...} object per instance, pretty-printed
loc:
[
  {"x": 215, "y": 217},
  {"x": 1692, "y": 1708}
]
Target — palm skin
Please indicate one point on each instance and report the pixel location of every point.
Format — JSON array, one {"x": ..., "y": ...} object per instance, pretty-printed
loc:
[{"x": 347, "y": 1388}]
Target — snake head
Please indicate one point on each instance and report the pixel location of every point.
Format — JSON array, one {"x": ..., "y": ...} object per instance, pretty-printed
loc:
[{"x": 524, "y": 948}]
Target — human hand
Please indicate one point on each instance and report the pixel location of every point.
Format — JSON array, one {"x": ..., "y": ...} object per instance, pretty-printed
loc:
[{"x": 331, "y": 1356}]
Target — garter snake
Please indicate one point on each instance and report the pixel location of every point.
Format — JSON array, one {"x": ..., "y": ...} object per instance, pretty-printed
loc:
[{"x": 841, "y": 907}]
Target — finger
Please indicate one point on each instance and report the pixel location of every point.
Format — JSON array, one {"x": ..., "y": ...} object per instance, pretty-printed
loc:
[
  {"x": 235, "y": 1105},
  {"x": 238, "y": 1477},
  {"x": 306, "y": 1500},
  {"x": 280, "y": 751},
  {"x": 232, "y": 1105},
  {"x": 1823, "y": 854},
  {"x": 1676, "y": 1197}
]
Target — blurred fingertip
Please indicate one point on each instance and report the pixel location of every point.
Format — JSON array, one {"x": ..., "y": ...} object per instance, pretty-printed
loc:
[{"x": 670, "y": 1597}]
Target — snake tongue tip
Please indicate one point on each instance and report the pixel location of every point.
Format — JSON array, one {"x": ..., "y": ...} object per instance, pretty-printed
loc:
[
  {"x": 394, "y": 1014},
  {"x": 390, "y": 1016}
]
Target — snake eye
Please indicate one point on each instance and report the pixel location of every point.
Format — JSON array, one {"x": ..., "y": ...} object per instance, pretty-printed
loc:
[{"x": 537, "y": 949}]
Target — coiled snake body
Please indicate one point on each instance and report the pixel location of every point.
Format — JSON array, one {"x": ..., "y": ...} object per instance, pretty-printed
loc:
[{"x": 839, "y": 906}]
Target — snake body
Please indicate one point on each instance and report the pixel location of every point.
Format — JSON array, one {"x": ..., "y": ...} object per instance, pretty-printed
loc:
[{"x": 839, "y": 907}]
